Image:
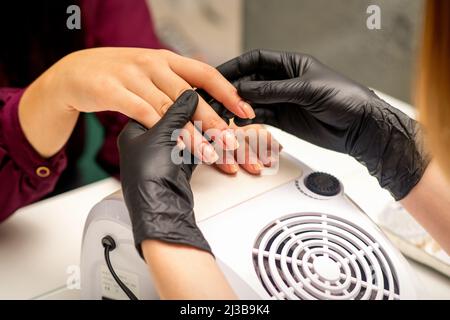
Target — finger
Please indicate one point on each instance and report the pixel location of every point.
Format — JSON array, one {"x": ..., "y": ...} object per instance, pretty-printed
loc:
[
  {"x": 192, "y": 139},
  {"x": 180, "y": 113},
  {"x": 218, "y": 107},
  {"x": 177, "y": 117},
  {"x": 265, "y": 145},
  {"x": 248, "y": 159},
  {"x": 142, "y": 86},
  {"x": 170, "y": 83},
  {"x": 131, "y": 130},
  {"x": 245, "y": 156},
  {"x": 201, "y": 75},
  {"x": 134, "y": 107},
  {"x": 227, "y": 163}
]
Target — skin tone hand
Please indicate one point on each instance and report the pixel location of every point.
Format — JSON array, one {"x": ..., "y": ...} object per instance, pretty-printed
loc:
[
  {"x": 140, "y": 83},
  {"x": 429, "y": 203},
  {"x": 199, "y": 279},
  {"x": 252, "y": 155}
]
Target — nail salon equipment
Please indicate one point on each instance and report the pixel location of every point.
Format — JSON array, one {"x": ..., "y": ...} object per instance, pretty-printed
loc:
[{"x": 302, "y": 238}]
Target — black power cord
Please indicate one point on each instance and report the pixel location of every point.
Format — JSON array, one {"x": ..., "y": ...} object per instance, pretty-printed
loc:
[{"x": 109, "y": 244}]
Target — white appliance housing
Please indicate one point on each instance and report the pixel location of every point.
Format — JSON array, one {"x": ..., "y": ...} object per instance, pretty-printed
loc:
[{"x": 287, "y": 243}]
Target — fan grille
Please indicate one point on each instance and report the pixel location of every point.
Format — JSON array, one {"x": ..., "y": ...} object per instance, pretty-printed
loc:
[{"x": 322, "y": 256}]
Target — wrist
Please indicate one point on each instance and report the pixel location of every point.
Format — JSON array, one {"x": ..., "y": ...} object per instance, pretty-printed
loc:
[
  {"x": 391, "y": 148},
  {"x": 46, "y": 124},
  {"x": 164, "y": 220},
  {"x": 170, "y": 230}
]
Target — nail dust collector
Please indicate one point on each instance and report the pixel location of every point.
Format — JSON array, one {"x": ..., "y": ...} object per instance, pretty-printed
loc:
[{"x": 302, "y": 239}]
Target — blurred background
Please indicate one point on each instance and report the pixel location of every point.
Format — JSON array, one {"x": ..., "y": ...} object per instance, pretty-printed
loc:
[{"x": 333, "y": 31}]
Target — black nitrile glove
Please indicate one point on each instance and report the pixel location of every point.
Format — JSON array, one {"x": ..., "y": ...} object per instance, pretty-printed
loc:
[
  {"x": 156, "y": 190},
  {"x": 300, "y": 95}
]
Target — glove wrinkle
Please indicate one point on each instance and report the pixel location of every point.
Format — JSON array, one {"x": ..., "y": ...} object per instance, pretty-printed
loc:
[{"x": 300, "y": 95}]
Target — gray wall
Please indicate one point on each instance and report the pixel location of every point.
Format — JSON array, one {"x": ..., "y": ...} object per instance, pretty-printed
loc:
[{"x": 335, "y": 32}]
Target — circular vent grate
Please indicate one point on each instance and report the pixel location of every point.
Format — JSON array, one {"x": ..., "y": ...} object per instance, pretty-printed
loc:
[{"x": 321, "y": 256}]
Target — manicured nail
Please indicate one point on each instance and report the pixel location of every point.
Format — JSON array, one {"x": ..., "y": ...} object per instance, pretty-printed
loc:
[
  {"x": 229, "y": 140},
  {"x": 247, "y": 109},
  {"x": 270, "y": 161},
  {"x": 266, "y": 160},
  {"x": 233, "y": 168},
  {"x": 257, "y": 166},
  {"x": 209, "y": 155}
]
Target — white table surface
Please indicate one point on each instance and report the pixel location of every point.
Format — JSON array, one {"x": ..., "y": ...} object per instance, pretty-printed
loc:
[{"x": 40, "y": 245}]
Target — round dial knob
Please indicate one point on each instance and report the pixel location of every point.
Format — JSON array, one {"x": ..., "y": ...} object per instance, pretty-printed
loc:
[{"x": 323, "y": 184}]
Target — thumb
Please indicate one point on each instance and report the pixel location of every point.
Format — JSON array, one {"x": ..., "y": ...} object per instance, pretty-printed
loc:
[
  {"x": 277, "y": 91},
  {"x": 132, "y": 130},
  {"x": 179, "y": 114}
]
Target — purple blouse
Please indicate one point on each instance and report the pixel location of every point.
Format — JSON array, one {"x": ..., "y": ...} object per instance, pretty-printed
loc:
[{"x": 25, "y": 176}]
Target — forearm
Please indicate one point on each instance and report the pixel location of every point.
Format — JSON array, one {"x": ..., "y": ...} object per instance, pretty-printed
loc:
[
  {"x": 183, "y": 272},
  {"x": 46, "y": 125},
  {"x": 429, "y": 203}
]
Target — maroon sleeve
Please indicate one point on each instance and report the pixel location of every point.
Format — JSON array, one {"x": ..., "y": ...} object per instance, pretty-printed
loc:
[
  {"x": 24, "y": 175},
  {"x": 117, "y": 23},
  {"x": 108, "y": 155}
]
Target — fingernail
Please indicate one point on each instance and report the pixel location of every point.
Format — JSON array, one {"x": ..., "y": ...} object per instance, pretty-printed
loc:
[
  {"x": 257, "y": 166},
  {"x": 229, "y": 140},
  {"x": 209, "y": 155},
  {"x": 233, "y": 168},
  {"x": 247, "y": 109},
  {"x": 273, "y": 159},
  {"x": 266, "y": 161}
]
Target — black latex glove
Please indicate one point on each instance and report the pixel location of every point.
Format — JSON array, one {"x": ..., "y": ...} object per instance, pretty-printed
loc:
[
  {"x": 300, "y": 95},
  {"x": 156, "y": 190}
]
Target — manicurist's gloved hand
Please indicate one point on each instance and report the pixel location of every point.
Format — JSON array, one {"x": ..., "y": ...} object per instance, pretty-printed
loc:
[
  {"x": 300, "y": 95},
  {"x": 156, "y": 189}
]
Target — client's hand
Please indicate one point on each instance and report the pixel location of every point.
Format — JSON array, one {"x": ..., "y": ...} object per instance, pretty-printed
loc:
[
  {"x": 140, "y": 83},
  {"x": 257, "y": 149},
  {"x": 155, "y": 185}
]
